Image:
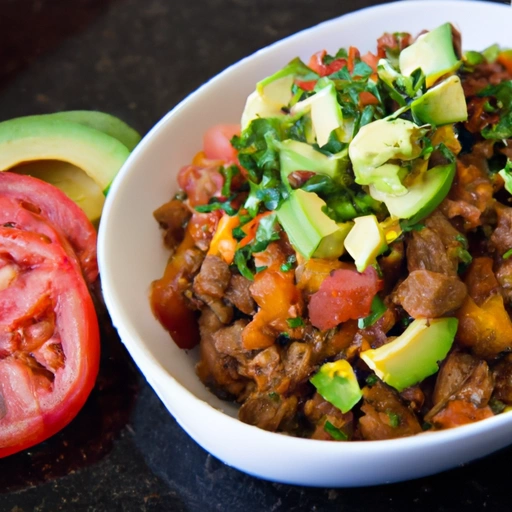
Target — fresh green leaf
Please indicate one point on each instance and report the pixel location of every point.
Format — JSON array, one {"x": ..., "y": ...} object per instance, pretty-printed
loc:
[
  {"x": 295, "y": 322},
  {"x": 334, "y": 432},
  {"x": 394, "y": 419},
  {"x": 377, "y": 310},
  {"x": 290, "y": 261},
  {"x": 507, "y": 254},
  {"x": 241, "y": 259},
  {"x": 506, "y": 174},
  {"x": 216, "y": 204},
  {"x": 371, "y": 380}
]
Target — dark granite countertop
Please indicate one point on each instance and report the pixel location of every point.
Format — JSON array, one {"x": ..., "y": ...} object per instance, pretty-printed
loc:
[{"x": 136, "y": 59}]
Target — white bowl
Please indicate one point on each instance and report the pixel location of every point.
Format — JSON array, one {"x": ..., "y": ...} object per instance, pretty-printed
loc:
[{"x": 131, "y": 255}]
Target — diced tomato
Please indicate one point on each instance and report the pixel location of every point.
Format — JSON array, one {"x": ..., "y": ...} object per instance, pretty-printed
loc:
[
  {"x": 202, "y": 227},
  {"x": 200, "y": 183},
  {"x": 371, "y": 59},
  {"x": 167, "y": 300},
  {"x": 345, "y": 294},
  {"x": 353, "y": 55},
  {"x": 53, "y": 205},
  {"x": 49, "y": 341},
  {"x": 316, "y": 63},
  {"x": 308, "y": 85},
  {"x": 367, "y": 98},
  {"x": 217, "y": 142}
]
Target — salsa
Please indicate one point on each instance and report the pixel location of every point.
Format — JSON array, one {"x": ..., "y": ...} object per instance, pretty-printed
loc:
[{"x": 342, "y": 258}]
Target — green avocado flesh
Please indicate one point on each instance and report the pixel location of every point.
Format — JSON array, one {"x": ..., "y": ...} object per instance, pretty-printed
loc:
[
  {"x": 337, "y": 383},
  {"x": 43, "y": 138},
  {"x": 433, "y": 52},
  {"x": 423, "y": 196},
  {"x": 74, "y": 182},
  {"x": 443, "y": 104},
  {"x": 101, "y": 121},
  {"x": 415, "y": 354},
  {"x": 309, "y": 229}
]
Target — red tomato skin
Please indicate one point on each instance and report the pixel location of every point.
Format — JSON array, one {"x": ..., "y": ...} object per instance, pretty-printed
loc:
[
  {"x": 200, "y": 183},
  {"x": 53, "y": 205},
  {"x": 344, "y": 295},
  {"x": 217, "y": 145},
  {"x": 32, "y": 412}
]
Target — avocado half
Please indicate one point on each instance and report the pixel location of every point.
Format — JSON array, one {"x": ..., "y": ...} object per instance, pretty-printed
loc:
[{"x": 50, "y": 137}]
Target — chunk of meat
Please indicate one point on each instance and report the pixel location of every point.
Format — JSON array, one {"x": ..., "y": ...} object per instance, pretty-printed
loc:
[
  {"x": 504, "y": 278},
  {"x": 503, "y": 380},
  {"x": 218, "y": 372},
  {"x": 426, "y": 294},
  {"x": 270, "y": 412},
  {"x": 426, "y": 251},
  {"x": 210, "y": 285},
  {"x": 238, "y": 293},
  {"x": 318, "y": 412},
  {"x": 480, "y": 279},
  {"x": 501, "y": 237},
  {"x": 173, "y": 217},
  {"x": 385, "y": 415},
  {"x": 228, "y": 341}
]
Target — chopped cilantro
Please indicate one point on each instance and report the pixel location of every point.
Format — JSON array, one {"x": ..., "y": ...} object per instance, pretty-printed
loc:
[
  {"x": 372, "y": 379},
  {"x": 261, "y": 269},
  {"x": 216, "y": 204},
  {"x": 462, "y": 240},
  {"x": 394, "y": 419},
  {"x": 285, "y": 267},
  {"x": 295, "y": 322},
  {"x": 378, "y": 308},
  {"x": 497, "y": 406},
  {"x": 335, "y": 432},
  {"x": 274, "y": 396},
  {"x": 507, "y": 255}
]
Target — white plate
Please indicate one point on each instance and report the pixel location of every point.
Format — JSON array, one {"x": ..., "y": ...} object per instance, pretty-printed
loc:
[{"x": 131, "y": 255}]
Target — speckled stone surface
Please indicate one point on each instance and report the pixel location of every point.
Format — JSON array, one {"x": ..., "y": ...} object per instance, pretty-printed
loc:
[{"x": 136, "y": 59}]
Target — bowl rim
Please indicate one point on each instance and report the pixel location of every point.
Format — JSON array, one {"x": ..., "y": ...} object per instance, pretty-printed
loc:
[{"x": 156, "y": 374}]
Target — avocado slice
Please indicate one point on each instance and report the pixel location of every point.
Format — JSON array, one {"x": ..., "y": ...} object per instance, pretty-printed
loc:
[
  {"x": 326, "y": 115},
  {"x": 299, "y": 156},
  {"x": 337, "y": 383},
  {"x": 378, "y": 142},
  {"x": 101, "y": 121},
  {"x": 42, "y": 138},
  {"x": 365, "y": 241},
  {"x": 310, "y": 230},
  {"x": 433, "y": 52},
  {"x": 444, "y": 103},
  {"x": 423, "y": 196},
  {"x": 415, "y": 354},
  {"x": 73, "y": 181}
]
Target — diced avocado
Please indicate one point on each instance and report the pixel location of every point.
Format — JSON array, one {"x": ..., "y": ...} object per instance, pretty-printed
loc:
[
  {"x": 326, "y": 114},
  {"x": 273, "y": 93},
  {"x": 378, "y": 142},
  {"x": 365, "y": 241},
  {"x": 299, "y": 156},
  {"x": 433, "y": 52},
  {"x": 443, "y": 104},
  {"x": 415, "y": 354},
  {"x": 101, "y": 121},
  {"x": 423, "y": 196},
  {"x": 309, "y": 228},
  {"x": 337, "y": 383},
  {"x": 41, "y": 138},
  {"x": 74, "y": 182}
]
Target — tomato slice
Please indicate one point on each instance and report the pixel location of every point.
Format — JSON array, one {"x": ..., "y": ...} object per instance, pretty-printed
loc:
[
  {"x": 52, "y": 204},
  {"x": 344, "y": 295},
  {"x": 217, "y": 142},
  {"x": 49, "y": 339}
]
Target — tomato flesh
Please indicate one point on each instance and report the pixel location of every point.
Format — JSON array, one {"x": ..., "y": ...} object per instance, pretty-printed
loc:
[
  {"x": 344, "y": 295},
  {"x": 53, "y": 205},
  {"x": 217, "y": 142},
  {"x": 49, "y": 341}
]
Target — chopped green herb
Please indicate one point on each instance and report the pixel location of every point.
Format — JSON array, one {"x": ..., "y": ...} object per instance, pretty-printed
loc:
[
  {"x": 290, "y": 261},
  {"x": 295, "y": 322},
  {"x": 378, "y": 308},
  {"x": 394, "y": 419},
  {"x": 462, "y": 240},
  {"x": 261, "y": 269},
  {"x": 238, "y": 233},
  {"x": 216, "y": 204},
  {"x": 335, "y": 432},
  {"x": 371, "y": 380},
  {"x": 274, "y": 396},
  {"x": 426, "y": 426},
  {"x": 241, "y": 259},
  {"x": 507, "y": 255},
  {"x": 405, "y": 227},
  {"x": 497, "y": 406},
  {"x": 228, "y": 173}
]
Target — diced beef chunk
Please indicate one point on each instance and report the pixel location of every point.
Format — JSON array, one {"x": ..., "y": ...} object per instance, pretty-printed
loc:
[
  {"x": 172, "y": 217},
  {"x": 210, "y": 285},
  {"x": 217, "y": 371},
  {"x": 269, "y": 412},
  {"x": 501, "y": 238},
  {"x": 503, "y": 380},
  {"x": 463, "y": 388},
  {"x": 480, "y": 279},
  {"x": 385, "y": 415},
  {"x": 239, "y": 294},
  {"x": 504, "y": 277},
  {"x": 318, "y": 411},
  {"x": 426, "y": 294},
  {"x": 426, "y": 251}
]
